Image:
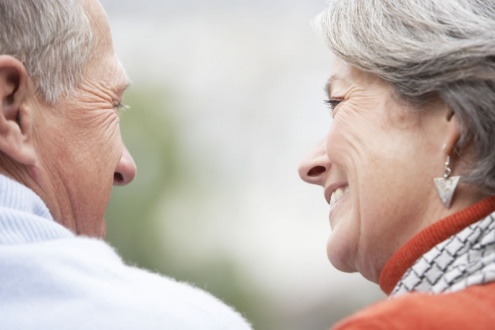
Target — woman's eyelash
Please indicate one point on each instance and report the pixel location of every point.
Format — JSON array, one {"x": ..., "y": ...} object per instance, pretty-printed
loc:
[{"x": 333, "y": 103}]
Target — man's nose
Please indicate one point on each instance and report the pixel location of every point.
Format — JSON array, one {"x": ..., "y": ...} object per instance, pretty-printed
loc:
[
  {"x": 315, "y": 166},
  {"x": 126, "y": 169}
]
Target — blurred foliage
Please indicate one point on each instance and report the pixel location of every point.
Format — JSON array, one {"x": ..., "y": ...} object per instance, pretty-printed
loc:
[
  {"x": 144, "y": 226},
  {"x": 135, "y": 225},
  {"x": 150, "y": 139}
]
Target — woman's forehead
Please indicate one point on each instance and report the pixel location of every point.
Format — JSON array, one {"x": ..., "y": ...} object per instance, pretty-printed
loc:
[{"x": 344, "y": 74}]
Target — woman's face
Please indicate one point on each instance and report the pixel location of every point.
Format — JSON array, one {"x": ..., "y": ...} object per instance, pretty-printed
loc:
[{"x": 376, "y": 166}]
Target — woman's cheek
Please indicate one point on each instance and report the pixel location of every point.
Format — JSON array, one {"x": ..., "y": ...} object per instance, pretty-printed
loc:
[{"x": 340, "y": 139}]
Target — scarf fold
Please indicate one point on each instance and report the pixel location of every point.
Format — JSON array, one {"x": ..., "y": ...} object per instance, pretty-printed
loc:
[{"x": 465, "y": 259}]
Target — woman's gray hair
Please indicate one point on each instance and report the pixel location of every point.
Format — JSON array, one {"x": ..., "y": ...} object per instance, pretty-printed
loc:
[
  {"x": 427, "y": 49},
  {"x": 52, "y": 38}
]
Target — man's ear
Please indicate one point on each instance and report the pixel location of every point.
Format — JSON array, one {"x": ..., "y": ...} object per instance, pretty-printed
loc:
[{"x": 15, "y": 115}]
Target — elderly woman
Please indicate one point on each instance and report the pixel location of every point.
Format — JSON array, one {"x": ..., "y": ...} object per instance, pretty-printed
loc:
[{"x": 408, "y": 164}]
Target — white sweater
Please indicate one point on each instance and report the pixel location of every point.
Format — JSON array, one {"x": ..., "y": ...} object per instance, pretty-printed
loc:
[{"x": 52, "y": 279}]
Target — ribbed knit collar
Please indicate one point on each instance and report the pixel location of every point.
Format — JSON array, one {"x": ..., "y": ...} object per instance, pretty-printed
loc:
[
  {"x": 424, "y": 241},
  {"x": 24, "y": 217}
]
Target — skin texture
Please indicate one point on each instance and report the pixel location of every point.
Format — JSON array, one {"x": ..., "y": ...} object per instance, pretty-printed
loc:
[
  {"x": 70, "y": 153},
  {"x": 386, "y": 154}
]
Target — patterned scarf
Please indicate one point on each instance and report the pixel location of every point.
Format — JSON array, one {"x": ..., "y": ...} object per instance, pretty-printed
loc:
[{"x": 465, "y": 259}]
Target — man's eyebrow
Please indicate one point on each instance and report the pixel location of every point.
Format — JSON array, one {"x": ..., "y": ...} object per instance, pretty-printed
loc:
[
  {"x": 123, "y": 80},
  {"x": 121, "y": 87},
  {"x": 127, "y": 84}
]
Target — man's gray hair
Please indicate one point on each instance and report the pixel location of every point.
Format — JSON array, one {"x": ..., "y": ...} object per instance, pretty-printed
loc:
[
  {"x": 427, "y": 49},
  {"x": 52, "y": 38}
]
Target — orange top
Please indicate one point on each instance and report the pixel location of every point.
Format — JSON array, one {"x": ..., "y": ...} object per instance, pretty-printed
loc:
[
  {"x": 471, "y": 308},
  {"x": 427, "y": 239}
]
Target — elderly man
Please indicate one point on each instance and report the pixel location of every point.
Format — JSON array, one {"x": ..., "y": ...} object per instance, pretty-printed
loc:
[{"x": 60, "y": 153}]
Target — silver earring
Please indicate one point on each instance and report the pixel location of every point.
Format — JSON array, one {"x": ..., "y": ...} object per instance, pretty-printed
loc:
[{"x": 446, "y": 185}]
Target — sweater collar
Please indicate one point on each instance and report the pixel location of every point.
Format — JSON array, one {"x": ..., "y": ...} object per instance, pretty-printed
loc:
[
  {"x": 24, "y": 217},
  {"x": 424, "y": 241},
  {"x": 14, "y": 195}
]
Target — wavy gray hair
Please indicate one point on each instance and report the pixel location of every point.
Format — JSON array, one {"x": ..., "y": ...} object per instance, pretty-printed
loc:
[
  {"x": 427, "y": 49},
  {"x": 52, "y": 38}
]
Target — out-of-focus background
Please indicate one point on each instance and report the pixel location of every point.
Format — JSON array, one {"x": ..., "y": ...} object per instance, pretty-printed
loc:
[{"x": 227, "y": 99}]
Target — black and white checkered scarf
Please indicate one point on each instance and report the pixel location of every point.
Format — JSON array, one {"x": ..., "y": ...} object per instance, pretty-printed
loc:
[{"x": 465, "y": 259}]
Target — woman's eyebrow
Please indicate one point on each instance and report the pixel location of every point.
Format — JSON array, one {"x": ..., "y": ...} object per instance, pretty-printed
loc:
[{"x": 331, "y": 81}]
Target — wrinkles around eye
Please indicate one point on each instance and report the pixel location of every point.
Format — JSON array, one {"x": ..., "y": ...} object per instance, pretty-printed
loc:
[{"x": 333, "y": 103}]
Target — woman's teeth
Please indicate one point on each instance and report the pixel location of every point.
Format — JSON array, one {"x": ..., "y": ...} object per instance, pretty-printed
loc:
[{"x": 337, "y": 194}]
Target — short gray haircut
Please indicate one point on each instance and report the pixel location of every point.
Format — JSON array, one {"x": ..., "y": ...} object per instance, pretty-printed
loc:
[
  {"x": 52, "y": 38},
  {"x": 427, "y": 49}
]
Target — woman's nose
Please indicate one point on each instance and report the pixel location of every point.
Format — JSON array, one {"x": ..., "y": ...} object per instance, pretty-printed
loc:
[
  {"x": 126, "y": 169},
  {"x": 315, "y": 166}
]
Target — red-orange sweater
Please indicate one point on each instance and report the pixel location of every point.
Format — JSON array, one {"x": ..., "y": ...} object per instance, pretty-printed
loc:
[{"x": 471, "y": 308}]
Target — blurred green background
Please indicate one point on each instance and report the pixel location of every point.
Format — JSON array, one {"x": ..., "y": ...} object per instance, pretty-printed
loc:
[
  {"x": 226, "y": 99},
  {"x": 136, "y": 223}
]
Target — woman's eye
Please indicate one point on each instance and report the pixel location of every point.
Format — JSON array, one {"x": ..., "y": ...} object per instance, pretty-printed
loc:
[{"x": 332, "y": 104}]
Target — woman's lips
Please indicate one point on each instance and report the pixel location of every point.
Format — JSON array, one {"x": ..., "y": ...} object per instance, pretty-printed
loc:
[
  {"x": 338, "y": 194},
  {"x": 335, "y": 192}
]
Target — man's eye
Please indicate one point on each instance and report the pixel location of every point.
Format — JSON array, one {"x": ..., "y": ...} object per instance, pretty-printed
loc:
[
  {"x": 121, "y": 107},
  {"x": 332, "y": 104}
]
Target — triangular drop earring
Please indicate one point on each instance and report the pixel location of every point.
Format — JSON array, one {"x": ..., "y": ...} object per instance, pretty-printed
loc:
[{"x": 446, "y": 185}]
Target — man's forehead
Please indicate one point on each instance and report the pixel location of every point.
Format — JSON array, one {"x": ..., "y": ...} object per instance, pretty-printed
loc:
[{"x": 98, "y": 20}]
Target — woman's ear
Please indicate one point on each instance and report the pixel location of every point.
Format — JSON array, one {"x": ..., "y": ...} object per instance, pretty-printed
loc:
[
  {"x": 15, "y": 115},
  {"x": 453, "y": 134}
]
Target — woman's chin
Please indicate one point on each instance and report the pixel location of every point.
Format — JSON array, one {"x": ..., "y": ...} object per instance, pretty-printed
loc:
[{"x": 339, "y": 252}]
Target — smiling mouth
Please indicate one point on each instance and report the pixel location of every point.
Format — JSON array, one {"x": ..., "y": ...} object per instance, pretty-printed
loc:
[{"x": 338, "y": 194}]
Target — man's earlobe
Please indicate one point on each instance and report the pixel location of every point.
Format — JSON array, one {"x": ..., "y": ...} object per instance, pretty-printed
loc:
[{"x": 15, "y": 116}]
